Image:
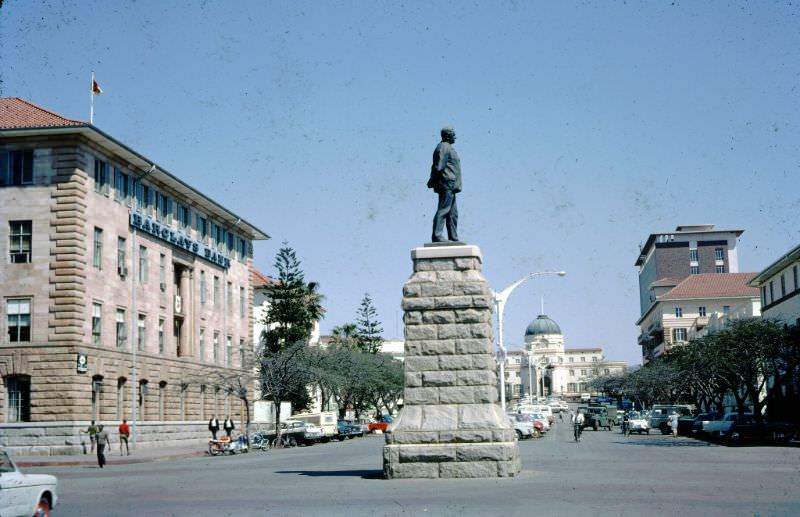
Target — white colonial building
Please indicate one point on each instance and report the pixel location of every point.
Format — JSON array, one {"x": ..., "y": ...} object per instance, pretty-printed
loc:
[
  {"x": 779, "y": 284},
  {"x": 545, "y": 367}
]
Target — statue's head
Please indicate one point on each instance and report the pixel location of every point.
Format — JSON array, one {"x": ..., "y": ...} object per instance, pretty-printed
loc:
[{"x": 448, "y": 134}]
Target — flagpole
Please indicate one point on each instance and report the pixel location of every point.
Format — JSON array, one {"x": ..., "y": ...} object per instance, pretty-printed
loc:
[{"x": 91, "y": 100}]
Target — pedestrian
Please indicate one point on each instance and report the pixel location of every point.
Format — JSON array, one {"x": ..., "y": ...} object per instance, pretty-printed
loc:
[
  {"x": 124, "y": 432},
  {"x": 213, "y": 426},
  {"x": 92, "y": 432},
  {"x": 673, "y": 422},
  {"x": 228, "y": 426},
  {"x": 578, "y": 425},
  {"x": 625, "y": 423},
  {"x": 102, "y": 441}
]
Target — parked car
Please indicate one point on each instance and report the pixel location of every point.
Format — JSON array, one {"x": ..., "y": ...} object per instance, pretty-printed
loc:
[
  {"x": 538, "y": 424},
  {"x": 347, "y": 429},
  {"x": 301, "y": 433},
  {"x": 720, "y": 428},
  {"x": 735, "y": 429},
  {"x": 522, "y": 426},
  {"x": 597, "y": 417},
  {"x": 701, "y": 420},
  {"x": 660, "y": 414},
  {"x": 382, "y": 424},
  {"x": 25, "y": 494},
  {"x": 637, "y": 423}
]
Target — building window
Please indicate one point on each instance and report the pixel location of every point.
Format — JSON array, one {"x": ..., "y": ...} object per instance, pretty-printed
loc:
[
  {"x": 594, "y": 359},
  {"x": 18, "y": 388},
  {"x": 162, "y": 272},
  {"x": 241, "y": 302},
  {"x": 718, "y": 254},
  {"x": 101, "y": 176},
  {"x": 679, "y": 335},
  {"x": 162, "y": 396},
  {"x": 693, "y": 255},
  {"x": 121, "y": 269},
  {"x": 560, "y": 360},
  {"x": 160, "y": 335},
  {"x": 572, "y": 359},
  {"x": 141, "y": 335},
  {"x": 19, "y": 320},
  {"x": 701, "y": 311},
  {"x": 202, "y": 228},
  {"x": 143, "y": 269},
  {"x": 20, "y": 168},
  {"x": 771, "y": 291},
  {"x": 572, "y": 387},
  {"x": 216, "y": 292},
  {"x": 121, "y": 397},
  {"x": 726, "y": 309},
  {"x": 241, "y": 353},
  {"x": 163, "y": 207},
  {"x": 607, "y": 371},
  {"x": 230, "y": 240},
  {"x": 783, "y": 286},
  {"x": 97, "y": 324},
  {"x": 121, "y": 333},
  {"x": 583, "y": 372},
  {"x": 679, "y": 312},
  {"x": 572, "y": 373},
  {"x": 143, "y": 198},
  {"x": 228, "y": 351},
  {"x": 202, "y": 287},
  {"x": 719, "y": 268},
  {"x": 121, "y": 185},
  {"x": 795, "y": 276},
  {"x": 229, "y": 298},
  {"x": 142, "y": 398},
  {"x": 97, "y": 396},
  {"x": 216, "y": 348},
  {"x": 242, "y": 250},
  {"x": 202, "y": 344},
  {"x": 694, "y": 270},
  {"x": 202, "y": 402},
  {"x": 583, "y": 359},
  {"x": 97, "y": 256},
  {"x": 20, "y": 236}
]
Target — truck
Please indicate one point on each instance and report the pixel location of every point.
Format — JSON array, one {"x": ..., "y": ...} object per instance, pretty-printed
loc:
[
  {"x": 326, "y": 420},
  {"x": 598, "y": 416}
]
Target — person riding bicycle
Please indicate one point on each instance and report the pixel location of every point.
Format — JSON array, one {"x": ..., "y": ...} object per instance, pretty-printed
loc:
[
  {"x": 579, "y": 419},
  {"x": 625, "y": 423}
]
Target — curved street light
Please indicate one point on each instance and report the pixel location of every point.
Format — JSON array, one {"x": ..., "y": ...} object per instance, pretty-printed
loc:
[{"x": 499, "y": 300}]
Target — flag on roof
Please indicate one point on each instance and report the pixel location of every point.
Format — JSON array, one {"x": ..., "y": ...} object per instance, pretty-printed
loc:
[{"x": 96, "y": 88}]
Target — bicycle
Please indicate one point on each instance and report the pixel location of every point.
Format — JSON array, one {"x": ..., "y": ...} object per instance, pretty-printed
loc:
[{"x": 578, "y": 430}]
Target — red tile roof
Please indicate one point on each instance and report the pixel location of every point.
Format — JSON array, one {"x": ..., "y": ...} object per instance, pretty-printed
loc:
[
  {"x": 261, "y": 280},
  {"x": 713, "y": 285},
  {"x": 16, "y": 113}
]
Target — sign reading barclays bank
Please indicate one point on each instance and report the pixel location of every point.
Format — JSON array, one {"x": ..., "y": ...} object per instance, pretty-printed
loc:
[{"x": 165, "y": 233}]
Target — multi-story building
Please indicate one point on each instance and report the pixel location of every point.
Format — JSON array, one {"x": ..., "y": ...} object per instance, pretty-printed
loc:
[
  {"x": 779, "y": 284},
  {"x": 545, "y": 367},
  {"x": 666, "y": 259},
  {"x": 126, "y": 292}
]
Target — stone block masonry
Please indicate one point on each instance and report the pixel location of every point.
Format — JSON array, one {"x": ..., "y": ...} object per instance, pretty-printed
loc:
[{"x": 451, "y": 425}]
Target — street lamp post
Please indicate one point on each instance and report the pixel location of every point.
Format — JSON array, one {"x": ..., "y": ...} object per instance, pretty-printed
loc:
[{"x": 500, "y": 304}]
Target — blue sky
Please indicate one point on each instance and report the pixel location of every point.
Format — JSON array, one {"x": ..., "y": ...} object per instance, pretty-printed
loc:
[{"x": 582, "y": 128}]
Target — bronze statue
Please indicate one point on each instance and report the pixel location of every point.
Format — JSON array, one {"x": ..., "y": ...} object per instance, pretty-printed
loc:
[{"x": 445, "y": 180}]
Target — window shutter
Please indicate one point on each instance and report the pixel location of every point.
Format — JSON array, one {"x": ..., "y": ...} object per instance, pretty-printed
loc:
[{"x": 4, "y": 169}]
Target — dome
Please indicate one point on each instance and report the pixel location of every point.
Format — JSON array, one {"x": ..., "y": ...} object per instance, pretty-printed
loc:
[{"x": 542, "y": 325}]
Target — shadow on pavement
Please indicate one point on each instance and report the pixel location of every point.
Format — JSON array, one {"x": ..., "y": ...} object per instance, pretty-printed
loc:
[
  {"x": 364, "y": 474},
  {"x": 666, "y": 442}
]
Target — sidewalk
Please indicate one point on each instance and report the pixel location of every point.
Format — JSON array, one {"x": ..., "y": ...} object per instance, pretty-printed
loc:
[{"x": 142, "y": 454}]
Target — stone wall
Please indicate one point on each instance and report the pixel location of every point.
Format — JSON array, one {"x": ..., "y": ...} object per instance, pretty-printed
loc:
[{"x": 451, "y": 425}]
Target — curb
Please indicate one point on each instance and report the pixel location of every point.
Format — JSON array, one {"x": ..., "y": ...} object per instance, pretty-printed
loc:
[{"x": 88, "y": 463}]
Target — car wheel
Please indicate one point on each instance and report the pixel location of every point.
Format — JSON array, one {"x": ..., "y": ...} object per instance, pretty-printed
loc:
[
  {"x": 735, "y": 437},
  {"x": 646, "y": 432},
  {"x": 519, "y": 434},
  {"x": 536, "y": 433},
  {"x": 43, "y": 508},
  {"x": 292, "y": 442}
]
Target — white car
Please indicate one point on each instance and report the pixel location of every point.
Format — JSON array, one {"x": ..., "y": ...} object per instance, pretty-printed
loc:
[
  {"x": 24, "y": 495},
  {"x": 522, "y": 426},
  {"x": 637, "y": 423}
]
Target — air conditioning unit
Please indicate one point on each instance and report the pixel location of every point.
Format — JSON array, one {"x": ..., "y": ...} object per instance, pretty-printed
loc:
[
  {"x": 163, "y": 286},
  {"x": 122, "y": 271}
]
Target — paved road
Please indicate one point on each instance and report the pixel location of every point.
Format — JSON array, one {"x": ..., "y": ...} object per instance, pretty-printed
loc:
[{"x": 605, "y": 474}]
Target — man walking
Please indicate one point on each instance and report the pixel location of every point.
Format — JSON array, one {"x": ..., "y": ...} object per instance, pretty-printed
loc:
[
  {"x": 445, "y": 180},
  {"x": 102, "y": 441},
  {"x": 228, "y": 425},
  {"x": 213, "y": 426},
  {"x": 124, "y": 432}
]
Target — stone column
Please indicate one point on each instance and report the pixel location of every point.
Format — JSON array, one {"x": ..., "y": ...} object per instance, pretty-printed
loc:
[
  {"x": 451, "y": 425},
  {"x": 187, "y": 347}
]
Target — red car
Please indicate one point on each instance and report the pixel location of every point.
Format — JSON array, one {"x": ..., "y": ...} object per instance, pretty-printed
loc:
[{"x": 382, "y": 424}]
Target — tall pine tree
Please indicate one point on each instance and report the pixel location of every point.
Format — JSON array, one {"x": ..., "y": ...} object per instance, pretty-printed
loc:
[{"x": 368, "y": 327}]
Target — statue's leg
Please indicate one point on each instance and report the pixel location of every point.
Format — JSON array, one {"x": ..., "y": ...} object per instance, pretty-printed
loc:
[
  {"x": 452, "y": 219},
  {"x": 442, "y": 210}
]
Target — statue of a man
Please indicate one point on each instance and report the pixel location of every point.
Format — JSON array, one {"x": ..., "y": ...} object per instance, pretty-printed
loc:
[{"x": 445, "y": 180}]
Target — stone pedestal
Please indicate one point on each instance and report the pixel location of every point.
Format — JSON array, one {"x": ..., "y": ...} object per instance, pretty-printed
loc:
[{"x": 451, "y": 425}]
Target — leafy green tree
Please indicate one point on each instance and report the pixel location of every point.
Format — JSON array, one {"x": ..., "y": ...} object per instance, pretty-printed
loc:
[
  {"x": 369, "y": 327},
  {"x": 285, "y": 375},
  {"x": 345, "y": 336},
  {"x": 294, "y": 307}
]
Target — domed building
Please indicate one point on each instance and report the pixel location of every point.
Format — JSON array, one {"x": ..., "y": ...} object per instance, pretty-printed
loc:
[{"x": 545, "y": 367}]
